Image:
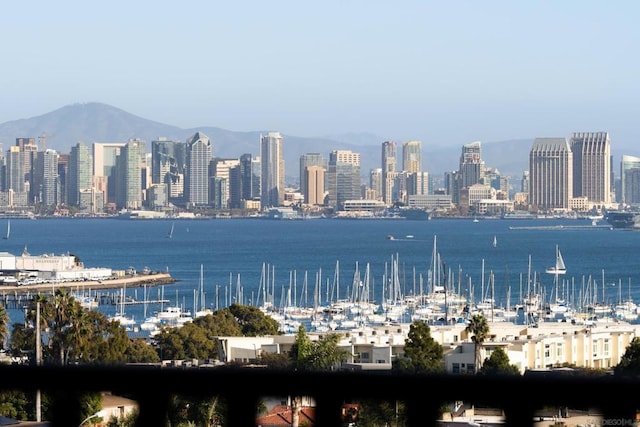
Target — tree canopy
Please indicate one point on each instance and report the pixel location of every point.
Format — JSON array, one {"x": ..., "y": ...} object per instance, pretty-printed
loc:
[
  {"x": 422, "y": 353},
  {"x": 630, "y": 362},
  {"x": 498, "y": 364}
]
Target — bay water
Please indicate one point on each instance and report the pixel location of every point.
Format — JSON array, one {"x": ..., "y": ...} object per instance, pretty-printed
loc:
[{"x": 232, "y": 259}]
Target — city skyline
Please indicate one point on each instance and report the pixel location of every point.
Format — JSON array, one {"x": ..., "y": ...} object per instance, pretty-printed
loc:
[{"x": 442, "y": 73}]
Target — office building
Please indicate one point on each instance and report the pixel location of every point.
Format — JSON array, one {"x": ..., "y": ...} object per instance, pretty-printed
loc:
[
  {"x": 272, "y": 178},
  {"x": 629, "y": 165},
  {"x": 104, "y": 165},
  {"x": 630, "y": 180},
  {"x": 168, "y": 164},
  {"x": 592, "y": 167},
  {"x": 45, "y": 183},
  {"x": 550, "y": 174},
  {"x": 129, "y": 176},
  {"x": 375, "y": 183},
  {"x": 196, "y": 183},
  {"x": 80, "y": 173},
  {"x": 343, "y": 178},
  {"x": 389, "y": 172},
  {"x": 310, "y": 159},
  {"x": 412, "y": 156},
  {"x": 471, "y": 165},
  {"x": 314, "y": 185},
  {"x": 15, "y": 178}
]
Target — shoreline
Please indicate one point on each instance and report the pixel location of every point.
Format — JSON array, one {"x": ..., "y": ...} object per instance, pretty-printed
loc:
[{"x": 154, "y": 279}]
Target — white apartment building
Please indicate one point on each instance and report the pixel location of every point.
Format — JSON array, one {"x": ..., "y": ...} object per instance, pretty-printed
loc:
[{"x": 545, "y": 346}]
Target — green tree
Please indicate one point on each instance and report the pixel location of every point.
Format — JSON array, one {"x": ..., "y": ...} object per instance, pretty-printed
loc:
[
  {"x": 16, "y": 404},
  {"x": 321, "y": 355},
  {"x": 630, "y": 362},
  {"x": 381, "y": 413},
  {"x": 220, "y": 323},
  {"x": 253, "y": 321},
  {"x": 422, "y": 353},
  {"x": 478, "y": 327},
  {"x": 498, "y": 364}
]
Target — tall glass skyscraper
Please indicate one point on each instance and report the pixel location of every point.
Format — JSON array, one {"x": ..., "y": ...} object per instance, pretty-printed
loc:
[
  {"x": 412, "y": 156},
  {"x": 343, "y": 177},
  {"x": 308, "y": 160},
  {"x": 167, "y": 165},
  {"x": 471, "y": 165},
  {"x": 104, "y": 165},
  {"x": 80, "y": 176},
  {"x": 629, "y": 179},
  {"x": 272, "y": 180},
  {"x": 197, "y": 170},
  {"x": 129, "y": 176},
  {"x": 389, "y": 171}
]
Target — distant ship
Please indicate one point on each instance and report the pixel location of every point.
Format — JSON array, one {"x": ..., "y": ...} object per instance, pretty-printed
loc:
[
  {"x": 410, "y": 213},
  {"x": 624, "y": 219}
]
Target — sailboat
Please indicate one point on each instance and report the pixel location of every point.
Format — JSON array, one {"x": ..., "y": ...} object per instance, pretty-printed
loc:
[
  {"x": 127, "y": 322},
  {"x": 203, "y": 311},
  {"x": 6, "y": 236},
  {"x": 495, "y": 241},
  {"x": 170, "y": 234},
  {"x": 559, "y": 306},
  {"x": 559, "y": 267}
]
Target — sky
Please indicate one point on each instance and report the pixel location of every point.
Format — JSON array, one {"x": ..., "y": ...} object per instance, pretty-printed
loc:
[{"x": 443, "y": 72}]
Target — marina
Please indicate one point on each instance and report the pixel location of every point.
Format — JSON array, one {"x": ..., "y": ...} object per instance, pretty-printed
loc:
[{"x": 354, "y": 274}]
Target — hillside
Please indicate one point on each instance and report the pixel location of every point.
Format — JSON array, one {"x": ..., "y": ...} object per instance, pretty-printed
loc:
[{"x": 97, "y": 122}]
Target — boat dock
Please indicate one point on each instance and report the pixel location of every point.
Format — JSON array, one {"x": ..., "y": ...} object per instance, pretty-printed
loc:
[
  {"x": 558, "y": 227},
  {"x": 16, "y": 296}
]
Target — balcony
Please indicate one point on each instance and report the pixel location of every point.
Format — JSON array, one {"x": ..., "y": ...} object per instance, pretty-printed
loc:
[{"x": 243, "y": 388}]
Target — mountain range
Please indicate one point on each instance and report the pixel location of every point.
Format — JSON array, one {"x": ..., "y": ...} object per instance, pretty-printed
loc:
[{"x": 97, "y": 122}]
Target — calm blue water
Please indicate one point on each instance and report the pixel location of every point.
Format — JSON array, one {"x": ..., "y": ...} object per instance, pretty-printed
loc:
[{"x": 228, "y": 248}]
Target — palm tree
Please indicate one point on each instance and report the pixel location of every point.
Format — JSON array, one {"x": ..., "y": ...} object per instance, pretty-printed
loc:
[
  {"x": 478, "y": 327},
  {"x": 4, "y": 325}
]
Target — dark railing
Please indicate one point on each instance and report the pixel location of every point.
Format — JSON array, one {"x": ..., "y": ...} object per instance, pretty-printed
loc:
[{"x": 243, "y": 388}]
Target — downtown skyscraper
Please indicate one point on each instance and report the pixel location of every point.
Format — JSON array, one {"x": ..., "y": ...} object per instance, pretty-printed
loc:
[
  {"x": 592, "y": 167},
  {"x": 550, "y": 174},
  {"x": 272, "y": 180},
  {"x": 389, "y": 172},
  {"x": 198, "y": 159},
  {"x": 343, "y": 178}
]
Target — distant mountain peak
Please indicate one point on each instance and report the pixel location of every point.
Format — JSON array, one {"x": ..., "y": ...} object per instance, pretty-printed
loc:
[{"x": 90, "y": 122}]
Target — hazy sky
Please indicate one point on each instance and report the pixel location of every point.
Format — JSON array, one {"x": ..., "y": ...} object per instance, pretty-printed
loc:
[{"x": 445, "y": 72}]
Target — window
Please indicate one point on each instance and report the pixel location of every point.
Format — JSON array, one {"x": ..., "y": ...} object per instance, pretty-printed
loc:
[{"x": 559, "y": 351}]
